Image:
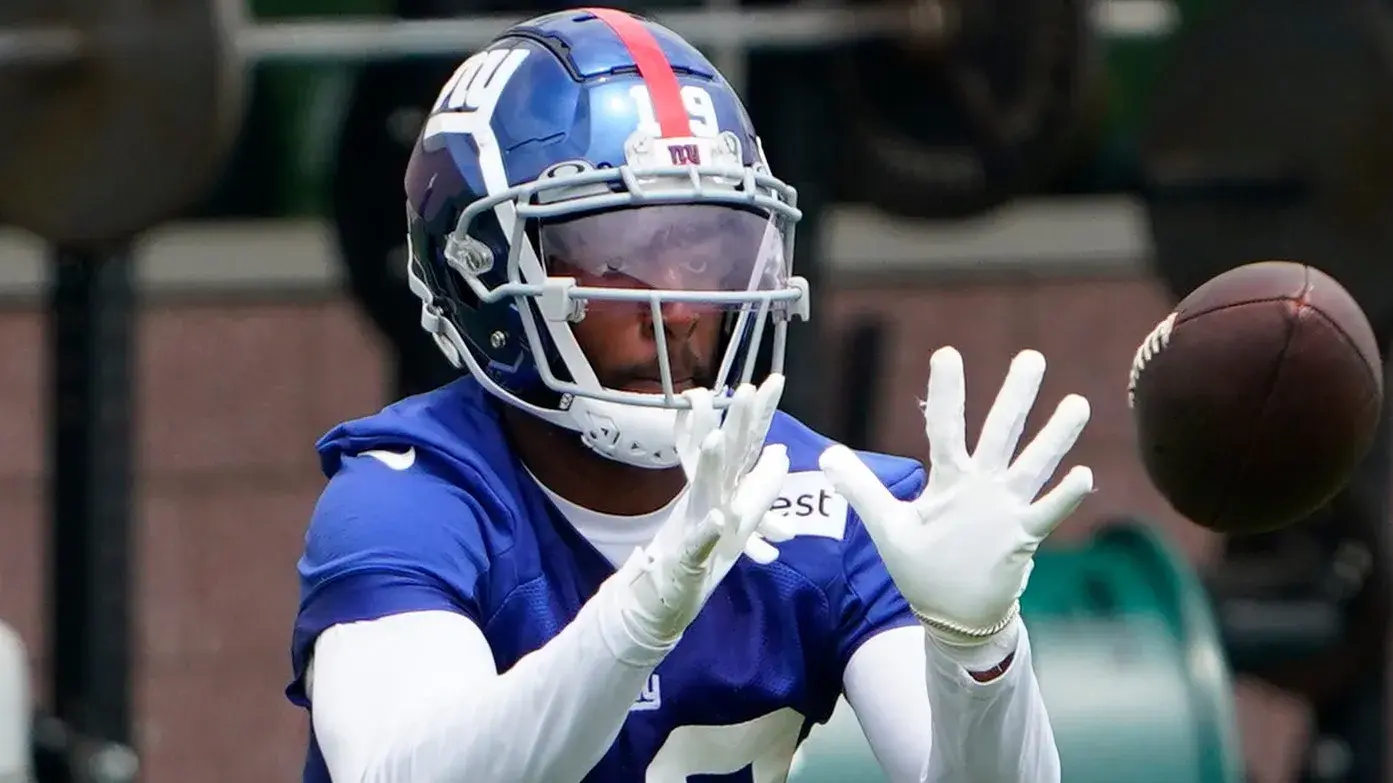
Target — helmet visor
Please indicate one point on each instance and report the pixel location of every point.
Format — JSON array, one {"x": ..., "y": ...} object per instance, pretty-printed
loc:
[
  {"x": 714, "y": 259},
  {"x": 669, "y": 247}
]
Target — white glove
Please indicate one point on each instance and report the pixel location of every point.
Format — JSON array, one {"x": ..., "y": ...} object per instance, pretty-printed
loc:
[
  {"x": 961, "y": 553},
  {"x": 733, "y": 480}
]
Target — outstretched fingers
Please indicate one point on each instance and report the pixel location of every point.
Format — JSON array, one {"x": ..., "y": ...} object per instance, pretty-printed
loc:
[{"x": 1001, "y": 431}]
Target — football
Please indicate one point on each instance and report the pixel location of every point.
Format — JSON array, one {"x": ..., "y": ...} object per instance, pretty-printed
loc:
[{"x": 1257, "y": 397}]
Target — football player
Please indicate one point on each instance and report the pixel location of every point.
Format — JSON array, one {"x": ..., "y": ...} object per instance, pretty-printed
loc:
[{"x": 603, "y": 555}]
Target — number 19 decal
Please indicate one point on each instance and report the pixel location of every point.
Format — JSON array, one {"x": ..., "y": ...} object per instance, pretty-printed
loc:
[{"x": 701, "y": 111}]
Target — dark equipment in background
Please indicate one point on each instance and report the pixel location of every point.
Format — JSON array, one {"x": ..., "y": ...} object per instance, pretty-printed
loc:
[
  {"x": 91, "y": 323},
  {"x": 979, "y": 102},
  {"x": 384, "y": 116},
  {"x": 1267, "y": 138},
  {"x": 861, "y": 371},
  {"x": 784, "y": 97},
  {"x": 387, "y": 107},
  {"x": 59, "y": 167},
  {"x": 59, "y": 164},
  {"x": 61, "y": 753}
]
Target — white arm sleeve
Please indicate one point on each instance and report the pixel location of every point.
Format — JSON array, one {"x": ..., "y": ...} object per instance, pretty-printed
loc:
[
  {"x": 417, "y": 697},
  {"x": 927, "y": 720}
]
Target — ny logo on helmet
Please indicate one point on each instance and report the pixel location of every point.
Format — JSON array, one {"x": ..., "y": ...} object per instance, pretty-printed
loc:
[
  {"x": 685, "y": 154},
  {"x": 467, "y": 102},
  {"x": 479, "y": 81}
]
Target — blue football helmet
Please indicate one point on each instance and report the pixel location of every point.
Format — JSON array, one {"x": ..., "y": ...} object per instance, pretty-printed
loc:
[{"x": 586, "y": 158}]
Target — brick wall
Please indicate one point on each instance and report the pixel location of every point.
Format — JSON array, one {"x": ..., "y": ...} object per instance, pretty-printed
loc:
[{"x": 233, "y": 395}]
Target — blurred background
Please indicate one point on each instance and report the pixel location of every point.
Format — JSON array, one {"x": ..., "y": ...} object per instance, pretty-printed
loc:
[{"x": 201, "y": 271}]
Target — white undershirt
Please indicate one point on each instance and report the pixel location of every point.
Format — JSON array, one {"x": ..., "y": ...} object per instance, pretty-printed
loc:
[
  {"x": 612, "y": 535},
  {"x": 417, "y": 697}
]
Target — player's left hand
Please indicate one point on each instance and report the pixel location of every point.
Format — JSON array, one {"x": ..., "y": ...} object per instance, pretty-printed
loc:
[
  {"x": 747, "y": 423},
  {"x": 961, "y": 553}
]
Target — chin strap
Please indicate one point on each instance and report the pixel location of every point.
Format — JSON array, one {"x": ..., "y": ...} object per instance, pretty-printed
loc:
[{"x": 632, "y": 434}]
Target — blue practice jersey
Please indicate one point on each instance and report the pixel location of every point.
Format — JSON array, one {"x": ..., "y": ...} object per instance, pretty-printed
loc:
[{"x": 465, "y": 529}]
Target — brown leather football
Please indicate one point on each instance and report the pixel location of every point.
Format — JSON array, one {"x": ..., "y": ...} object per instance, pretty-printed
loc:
[{"x": 1257, "y": 397}]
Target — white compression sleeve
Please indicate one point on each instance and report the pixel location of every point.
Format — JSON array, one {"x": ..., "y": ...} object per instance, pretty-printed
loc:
[
  {"x": 927, "y": 719},
  {"x": 886, "y": 687},
  {"x": 998, "y": 731},
  {"x": 416, "y": 697}
]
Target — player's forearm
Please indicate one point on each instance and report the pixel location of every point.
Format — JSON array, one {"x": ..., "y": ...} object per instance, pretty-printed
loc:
[
  {"x": 989, "y": 732},
  {"x": 549, "y": 719},
  {"x": 557, "y": 711}
]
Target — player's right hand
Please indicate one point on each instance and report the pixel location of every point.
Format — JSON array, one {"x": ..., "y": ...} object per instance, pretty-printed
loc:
[
  {"x": 961, "y": 552},
  {"x": 733, "y": 480}
]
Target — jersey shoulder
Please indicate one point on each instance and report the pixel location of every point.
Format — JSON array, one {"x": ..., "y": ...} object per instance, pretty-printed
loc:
[
  {"x": 454, "y": 421},
  {"x": 421, "y": 512},
  {"x": 429, "y": 473},
  {"x": 451, "y": 436}
]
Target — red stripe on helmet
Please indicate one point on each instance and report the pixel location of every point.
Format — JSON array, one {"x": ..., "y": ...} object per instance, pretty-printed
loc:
[{"x": 653, "y": 68}]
